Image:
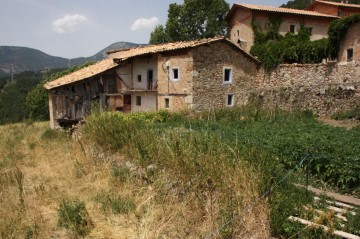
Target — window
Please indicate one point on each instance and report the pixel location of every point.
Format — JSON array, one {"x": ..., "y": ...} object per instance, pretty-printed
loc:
[
  {"x": 238, "y": 32},
  {"x": 167, "y": 103},
  {"x": 229, "y": 100},
  {"x": 138, "y": 100},
  {"x": 175, "y": 74},
  {"x": 227, "y": 75},
  {"x": 139, "y": 78},
  {"x": 350, "y": 54},
  {"x": 292, "y": 29}
]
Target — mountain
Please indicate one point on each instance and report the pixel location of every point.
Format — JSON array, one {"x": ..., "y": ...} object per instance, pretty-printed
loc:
[
  {"x": 19, "y": 59},
  {"x": 303, "y": 4},
  {"x": 102, "y": 54}
]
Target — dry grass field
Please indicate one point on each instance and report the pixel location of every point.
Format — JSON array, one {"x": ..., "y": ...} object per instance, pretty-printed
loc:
[{"x": 41, "y": 168}]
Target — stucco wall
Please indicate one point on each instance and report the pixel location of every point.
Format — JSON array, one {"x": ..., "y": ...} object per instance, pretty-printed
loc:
[
  {"x": 210, "y": 90},
  {"x": 324, "y": 89},
  {"x": 241, "y": 26},
  {"x": 351, "y": 40},
  {"x": 148, "y": 102}
]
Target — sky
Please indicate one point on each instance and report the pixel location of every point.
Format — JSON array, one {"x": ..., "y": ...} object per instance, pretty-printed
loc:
[{"x": 81, "y": 28}]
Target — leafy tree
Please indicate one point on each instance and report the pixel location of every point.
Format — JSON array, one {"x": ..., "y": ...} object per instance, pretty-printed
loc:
[
  {"x": 195, "y": 19},
  {"x": 159, "y": 35},
  {"x": 13, "y": 95}
]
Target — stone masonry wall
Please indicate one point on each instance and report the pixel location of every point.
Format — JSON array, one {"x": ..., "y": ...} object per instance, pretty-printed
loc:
[
  {"x": 209, "y": 89},
  {"x": 322, "y": 88}
]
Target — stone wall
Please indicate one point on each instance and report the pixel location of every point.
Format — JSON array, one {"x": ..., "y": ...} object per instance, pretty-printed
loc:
[
  {"x": 209, "y": 88},
  {"x": 322, "y": 88}
]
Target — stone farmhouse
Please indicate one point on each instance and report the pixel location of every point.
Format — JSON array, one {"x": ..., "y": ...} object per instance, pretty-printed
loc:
[
  {"x": 242, "y": 16},
  {"x": 203, "y": 74},
  {"x": 350, "y": 45},
  {"x": 334, "y": 8}
]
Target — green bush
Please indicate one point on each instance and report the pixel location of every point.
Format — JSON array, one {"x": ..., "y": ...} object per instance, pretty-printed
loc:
[{"x": 73, "y": 215}]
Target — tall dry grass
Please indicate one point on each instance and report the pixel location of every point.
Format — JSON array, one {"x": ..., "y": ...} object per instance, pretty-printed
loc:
[{"x": 176, "y": 193}]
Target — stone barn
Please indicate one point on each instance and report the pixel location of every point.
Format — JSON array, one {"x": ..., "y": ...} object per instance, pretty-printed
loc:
[{"x": 204, "y": 74}]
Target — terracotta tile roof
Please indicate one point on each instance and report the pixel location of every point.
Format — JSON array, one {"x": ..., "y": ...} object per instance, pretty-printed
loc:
[
  {"x": 117, "y": 56},
  {"x": 336, "y": 4},
  {"x": 82, "y": 74},
  {"x": 122, "y": 55},
  {"x": 277, "y": 10}
]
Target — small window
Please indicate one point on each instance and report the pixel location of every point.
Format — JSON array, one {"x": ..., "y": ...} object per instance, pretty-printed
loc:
[
  {"x": 138, "y": 100},
  {"x": 175, "y": 74},
  {"x": 350, "y": 54},
  {"x": 292, "y": 29},
  {"x": 167, "y": 103},
  {"x": 139, "y": 78},
  {"x": 229, "y": 100},
  {"x": 227, "y": 75},
  {"x": 238, "y": 32}
]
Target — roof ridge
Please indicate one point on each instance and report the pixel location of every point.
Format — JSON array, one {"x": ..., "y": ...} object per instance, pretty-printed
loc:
[
  {"x": 283, "y": 10},
  {"x": 343, "y": 4}
]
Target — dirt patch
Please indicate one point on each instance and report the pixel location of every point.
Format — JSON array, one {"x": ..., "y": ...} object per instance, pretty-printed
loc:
[{"x": 348, "y": 124}]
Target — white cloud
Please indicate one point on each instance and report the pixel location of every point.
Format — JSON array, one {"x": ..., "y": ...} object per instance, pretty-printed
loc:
[
  {"x": 145, "y": 24},
  {"x": 67, "y": 23}
]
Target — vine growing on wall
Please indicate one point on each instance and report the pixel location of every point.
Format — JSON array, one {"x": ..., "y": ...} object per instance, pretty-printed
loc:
[
  {"x": 273, "y": 49},
  {"x": 337, "y": 31}
]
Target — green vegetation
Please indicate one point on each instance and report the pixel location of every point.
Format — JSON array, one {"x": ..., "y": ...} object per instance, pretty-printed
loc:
[
  {"x": 115, "y": 204},
  {"x": 204, "y": 157},
  {"x": 13, "y": 96},
  {"x": 73, "y": 216},
  {"x": 273, "y": 49},
  {"x": 337, "y": 31},
  {"x": 185, "y": 24}
]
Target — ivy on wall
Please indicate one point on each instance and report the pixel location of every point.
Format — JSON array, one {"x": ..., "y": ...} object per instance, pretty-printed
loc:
[
  {"x": 337, "y": 31},
  {"x": 273, "y": 49}
]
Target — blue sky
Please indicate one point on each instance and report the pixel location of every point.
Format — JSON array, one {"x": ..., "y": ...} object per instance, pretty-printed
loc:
[{"x": 74, "y": 28}]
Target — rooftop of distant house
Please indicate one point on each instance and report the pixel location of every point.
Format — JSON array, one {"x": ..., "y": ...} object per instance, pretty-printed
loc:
[
  {"x": 277, "y": 10},
  {"x": 340, "y": 4}
]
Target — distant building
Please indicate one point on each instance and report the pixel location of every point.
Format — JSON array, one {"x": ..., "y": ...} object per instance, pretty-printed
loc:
[
  {"x": 242, "y": 16},
  {"x": 342, "y": 9},
  {"x": 350, "y": 45},
  {"x": 204, "y": 74}
]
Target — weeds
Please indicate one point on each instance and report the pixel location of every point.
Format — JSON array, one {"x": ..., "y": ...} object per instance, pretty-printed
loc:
[
  {"x": 121, "y": 174},
  {"x": 73, "y": 215},
  {"x": 115, "y": 204}
]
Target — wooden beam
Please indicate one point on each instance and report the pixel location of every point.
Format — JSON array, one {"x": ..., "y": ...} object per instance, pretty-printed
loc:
[{"x": 325, "y": 228}]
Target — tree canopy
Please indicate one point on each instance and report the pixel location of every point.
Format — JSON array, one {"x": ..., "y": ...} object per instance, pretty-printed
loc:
[{"x": 194, "y": 19}]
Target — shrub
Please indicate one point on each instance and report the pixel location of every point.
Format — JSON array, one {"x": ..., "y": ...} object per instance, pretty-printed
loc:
[{"x": 73, "y": 215}]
